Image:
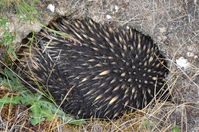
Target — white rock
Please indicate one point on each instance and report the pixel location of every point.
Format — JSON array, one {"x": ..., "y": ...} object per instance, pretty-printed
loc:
[
  {"x": 116, "y": 8},
  {"x": 127, "y": 27},
  {"x": 108, "y": 16},
  {"x": 51, "y": 7},
  {"x": 182, "y": 63}
]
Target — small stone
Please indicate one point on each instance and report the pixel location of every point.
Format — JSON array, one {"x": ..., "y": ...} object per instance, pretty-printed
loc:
[
  {"x": 51, "y": 7},
  {"x": 127, "y": 27},
  {"x": 108, "y": 16},
  {"x": 116, "y": 8},
  {"x": 182, "y": 63}
]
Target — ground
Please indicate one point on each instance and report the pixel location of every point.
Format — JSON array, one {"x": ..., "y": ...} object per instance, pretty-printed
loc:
[{"x": 173, "y": 25}]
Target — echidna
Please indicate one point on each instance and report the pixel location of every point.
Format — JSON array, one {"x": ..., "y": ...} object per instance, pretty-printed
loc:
[{"x": 96, "y": 70}]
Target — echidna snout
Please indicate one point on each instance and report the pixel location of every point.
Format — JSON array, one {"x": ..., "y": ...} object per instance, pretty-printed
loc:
[{"x": 96, "y": 69}]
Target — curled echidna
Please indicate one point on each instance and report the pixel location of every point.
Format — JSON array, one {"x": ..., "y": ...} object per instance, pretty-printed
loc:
[{"x": 95, "y": 70}]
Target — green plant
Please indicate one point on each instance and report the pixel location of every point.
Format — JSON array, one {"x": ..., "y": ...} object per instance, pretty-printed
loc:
[
  {"x": 176, "y": 129},
  {"x": 24, "y": 9},
  {"x": 27, "y": 10},
  {"x": 40, "y": 108},
  {"x": 6, "y": 36},
  {"x": 148, "y": 124}
]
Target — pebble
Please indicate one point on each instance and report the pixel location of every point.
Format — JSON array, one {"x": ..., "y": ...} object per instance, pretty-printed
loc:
[
  {"x": 108, "y": 16},
  {"x": 182, "y": 63},
  {"x": 51, "y": 7}
]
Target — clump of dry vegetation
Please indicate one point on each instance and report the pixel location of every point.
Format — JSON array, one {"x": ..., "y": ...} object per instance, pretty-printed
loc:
[{"x": 172, "y": 24}]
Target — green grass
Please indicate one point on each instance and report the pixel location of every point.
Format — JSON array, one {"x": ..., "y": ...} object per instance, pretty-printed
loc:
[
  {"x": 27, "y": 10},
  {"x": 24, "y": 9},
  {"x": 7, "y": 37},
  {"x": 40, "y": 109},
  {"x": 176, "y": 129}
]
